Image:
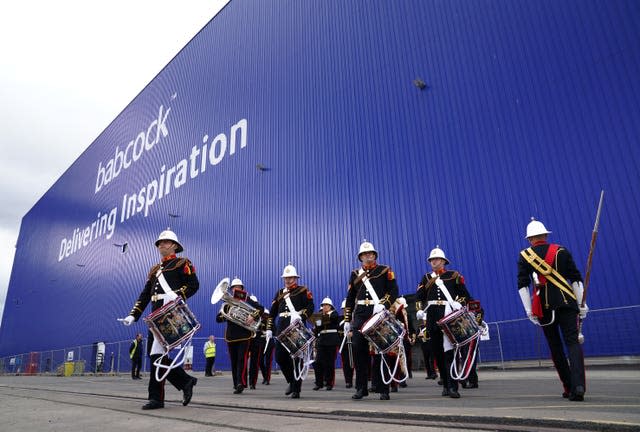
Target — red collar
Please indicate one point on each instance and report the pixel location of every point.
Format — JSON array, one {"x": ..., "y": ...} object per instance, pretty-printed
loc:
[
  {"x": 441, "y": 271},
  {"x": 370, "y": 266},
  {"x": 294, "y": 286},
  {"x": 168, "y": 257}
]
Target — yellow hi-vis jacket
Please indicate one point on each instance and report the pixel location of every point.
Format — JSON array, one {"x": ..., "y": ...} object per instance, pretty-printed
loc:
[{"x": 209, "y": 349}]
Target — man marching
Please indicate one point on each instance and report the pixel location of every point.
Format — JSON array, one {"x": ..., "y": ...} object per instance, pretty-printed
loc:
[
  {"x": 555, "y": 304},
  {"x": 289, "y": 304},
  {"x": 372, "y": 288},
  {"x": 238, "y": 337},
  {"x": 443, "y": 291},
  {"x": 180, "y": 276}
]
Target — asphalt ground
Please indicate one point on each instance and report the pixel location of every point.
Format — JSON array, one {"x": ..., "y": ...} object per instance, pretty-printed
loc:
[{"x": 513, "y": 399}]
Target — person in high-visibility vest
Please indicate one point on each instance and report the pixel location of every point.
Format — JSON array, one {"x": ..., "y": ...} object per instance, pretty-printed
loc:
[
  {"x": 135, "y": 354},
  {"x": 209, "y": 351}
]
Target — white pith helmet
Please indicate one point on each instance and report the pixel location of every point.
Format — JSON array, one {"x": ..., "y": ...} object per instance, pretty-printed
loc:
[
  {"x": 289, "y": 271},
  {"x": 343, "y": 304},
  {"x": 436, "y": 252},
  {"x": 169, "y": 235},
  {"x": 325, "y": 301},
  {"x": 535, "y": 228},
  {"x": 236, "y": 282},
  {"x": 365, "y": 247}
]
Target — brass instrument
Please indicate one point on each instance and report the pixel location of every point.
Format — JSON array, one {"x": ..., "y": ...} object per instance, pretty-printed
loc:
[{"x": 236, "y": 311}]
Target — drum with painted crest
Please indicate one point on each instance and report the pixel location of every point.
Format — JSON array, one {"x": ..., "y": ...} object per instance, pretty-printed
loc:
[
  {"x": 460, "y": 327},
  {"x": 296, "y": 338},
  {"x": 172, "y": 324},
  {"x": 384, "y": 331}
]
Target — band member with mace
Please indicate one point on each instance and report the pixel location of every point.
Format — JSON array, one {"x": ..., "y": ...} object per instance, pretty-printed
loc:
[
  {"x": 291, "y": 303},
  {"x": 238, "y": 336},
  {"x": 372, "y": 288},
  {"x": 440, "y": 293},
  {"x": 179, "y": 275},
  {"x": 555, "y": 305}
]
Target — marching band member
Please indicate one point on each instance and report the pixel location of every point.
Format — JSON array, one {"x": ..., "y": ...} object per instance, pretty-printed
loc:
[
  {"x": 327, "y": 342},
  {"x": 443, "y": 291},
  {"x": 180, "y": 275},
  {"x": 425, "y": 346},
  {"x": 346, "y": 355},
  {"x": 237, "y": 337},
  {"x": 399, "y": 308},
  {"x": 555, "y": 304},
  {"x": 289, "y": 304},
  {"x": 371, "y": 289},
  {"x": 266, "y": 359},
  {"x": 256, "y": 347}
]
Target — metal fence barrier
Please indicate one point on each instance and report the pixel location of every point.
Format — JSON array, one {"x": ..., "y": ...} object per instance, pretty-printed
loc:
[{"x": 511, "y": 343}]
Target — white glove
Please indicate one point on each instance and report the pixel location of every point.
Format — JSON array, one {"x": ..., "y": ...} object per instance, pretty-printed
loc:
[
  {"x": 456, "y": 306},
  {"x": 318, "y": 323},
  {"x": 377, "y": 308},
  {"x": 421, "y": 315},
  {"x": 269, "y": 334},
  {"x": 583, "y": 311},
  {"x": 533, "y": 318},
  {"x": 347, "y": 327},
  {"x": 128, "y": 320}
]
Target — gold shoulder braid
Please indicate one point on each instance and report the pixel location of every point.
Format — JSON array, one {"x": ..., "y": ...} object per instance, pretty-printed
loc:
[{"x": 551, "y": 274}]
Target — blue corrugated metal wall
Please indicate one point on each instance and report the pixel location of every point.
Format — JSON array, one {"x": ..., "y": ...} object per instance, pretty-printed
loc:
[{"x": 532, "y": 107}]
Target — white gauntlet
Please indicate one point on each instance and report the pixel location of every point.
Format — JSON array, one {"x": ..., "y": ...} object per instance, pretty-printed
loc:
[{"x": 526, "y": 302}]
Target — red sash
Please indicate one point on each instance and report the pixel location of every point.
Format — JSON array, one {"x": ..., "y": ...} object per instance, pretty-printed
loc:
[{"x": 536, "y": 304}]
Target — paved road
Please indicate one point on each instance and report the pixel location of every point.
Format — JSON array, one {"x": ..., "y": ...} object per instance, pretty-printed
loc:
[{"x": 523, "y": 399}]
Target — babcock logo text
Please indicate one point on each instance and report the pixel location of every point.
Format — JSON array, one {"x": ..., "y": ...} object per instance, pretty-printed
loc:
[{"x": 146, "y": 139}]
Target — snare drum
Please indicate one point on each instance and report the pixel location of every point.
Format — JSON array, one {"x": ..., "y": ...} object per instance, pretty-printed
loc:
[
  {"x": 296, "y": 338},
  {"x": 172, "y": 324},
  {"x": 460, "y": 327},
  {"x": 384, "y": 331}
]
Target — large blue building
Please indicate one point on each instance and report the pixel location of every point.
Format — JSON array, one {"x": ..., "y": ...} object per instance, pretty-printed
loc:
[{"x": 289, "y": 131}]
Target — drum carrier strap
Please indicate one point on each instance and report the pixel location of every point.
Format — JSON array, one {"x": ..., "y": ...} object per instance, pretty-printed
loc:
[{"x": 367, "y": 284}]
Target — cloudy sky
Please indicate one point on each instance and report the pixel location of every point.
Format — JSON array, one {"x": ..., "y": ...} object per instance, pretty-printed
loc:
[{"x": 67, "y": 69}]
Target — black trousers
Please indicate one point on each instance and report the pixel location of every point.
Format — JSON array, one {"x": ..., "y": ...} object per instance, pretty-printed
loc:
[
  {"x": 347, "y": 369},
  {"x": 256, "y": 346},
  {"x": 266, "y": 360},
  {"x": 177, "y": 377},
  {"x": 239, "y": 353},
  {"x": 571, "y": 370},
  {"x": 443, "y": 360},
  {"x": 136, "y": 365},
  {"x": 428, "y": 357},
  {"x": 362, "y": 361},
  {"x": 208, "y": 369},
  {"x": 287, "y": 364},
  {"x": 325, "y": 365}
]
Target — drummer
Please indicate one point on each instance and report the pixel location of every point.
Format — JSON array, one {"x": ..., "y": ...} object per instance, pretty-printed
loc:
[
  {"x": 439, "y": 300},
  {"x": 290, "y": 303},
  {"x": 372, "y": 289},
  {"x": 180, "y": 276}
]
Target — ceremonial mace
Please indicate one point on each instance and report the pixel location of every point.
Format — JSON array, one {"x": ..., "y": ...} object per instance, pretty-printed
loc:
[{"x": 587, "y": 274}]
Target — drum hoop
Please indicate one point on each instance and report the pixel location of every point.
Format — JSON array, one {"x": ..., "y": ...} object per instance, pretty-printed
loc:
[
  {"x": 380, "y": 318},
  {"x": 174, "y": 304},
  {"x": 443, "y": 323},
  {"x": 300, "y": 351}
]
